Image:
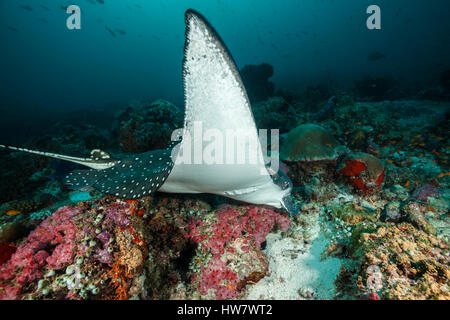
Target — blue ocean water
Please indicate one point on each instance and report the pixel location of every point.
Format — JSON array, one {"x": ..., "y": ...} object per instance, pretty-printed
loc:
[{"x": 45, "y": 66}]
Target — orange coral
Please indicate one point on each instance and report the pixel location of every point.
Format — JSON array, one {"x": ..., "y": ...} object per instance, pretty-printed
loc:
[{"x": 119, "y": 273}]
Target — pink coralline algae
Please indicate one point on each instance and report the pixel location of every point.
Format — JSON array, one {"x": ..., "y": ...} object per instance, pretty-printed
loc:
[
  {"x": 99, "y": 239},
  {"x": 9, "y": 293},
  {"x": 52, "y": 245},
  {"x": 422, "y": 193},
  {"x": 249, "y": 227},
  {"x": 219, "y": 277}
]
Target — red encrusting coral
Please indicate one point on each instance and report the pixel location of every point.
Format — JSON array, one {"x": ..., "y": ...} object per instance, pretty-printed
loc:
[
  {"x": 251, "y": 225},
  {"x": 373, "y": 296},
  {"x": 364, "y": 171},
  {"x": 359, "y": 184},
  {"x": 352, "y": 168},
  {"x": 52, "y": 245},
  {"x": 380, "y": 178}
]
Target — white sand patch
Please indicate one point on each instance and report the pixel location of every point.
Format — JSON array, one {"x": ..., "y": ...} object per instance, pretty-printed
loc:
[{"x": 296, "y": 267}]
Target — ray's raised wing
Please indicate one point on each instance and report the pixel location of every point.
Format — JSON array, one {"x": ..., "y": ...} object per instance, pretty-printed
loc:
[
  {"x": 215, "y": 98},
  {"x": 213, "y": 89}
]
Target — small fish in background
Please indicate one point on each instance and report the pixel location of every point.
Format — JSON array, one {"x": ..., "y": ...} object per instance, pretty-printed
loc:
[
  {"x": 25, "y": 7},
  {"x": 43, "y": 20},
  {"x": 101, "y": 1},
  {"x": 376, "y": 56},
  {"x": 122, "y": 32},
  {"x": 45, "y": 8},
  {"x": 156, "y": 37},
  {"x": 110, "y": 31},
  {"x": 13, "y": 212},
  {"x": 12, "y": 29},
  {"x": 138, "y": 6},
  {"x": 64, "y": 7}
]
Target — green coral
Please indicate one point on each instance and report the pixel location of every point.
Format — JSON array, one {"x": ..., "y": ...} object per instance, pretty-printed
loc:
[{"x": 353, "y": 215}]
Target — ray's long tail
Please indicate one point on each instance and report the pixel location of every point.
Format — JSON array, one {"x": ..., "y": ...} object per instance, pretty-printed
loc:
[{"x": 99, "y": 159}]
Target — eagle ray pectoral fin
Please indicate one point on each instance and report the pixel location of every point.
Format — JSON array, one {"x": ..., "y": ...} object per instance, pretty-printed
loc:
[
  {"x": 79, "y": 179},
  {"x": 131, "y": 178}
]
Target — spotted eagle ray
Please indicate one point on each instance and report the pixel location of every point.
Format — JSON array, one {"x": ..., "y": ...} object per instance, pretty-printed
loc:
[{"x": 214, "y": 96}]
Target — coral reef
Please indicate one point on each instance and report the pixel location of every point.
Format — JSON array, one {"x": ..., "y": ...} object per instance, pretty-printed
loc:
[
  {"x": 76, "y": 252},
  {"x": 374, "y": 89},
  {"x": 310, "y": 142},
  {"x": 6, "y": 251},
  {"x": 228, "y": 254},
  {"x": 423, "y": 192},
  {"x": 275, "y": 112},
  {"x": 373, "y": 220},
  {"x": 444, "y": 81},
  {"x": 326, "y": 109},
  {"x": 310, "y": 153},
  {"x": 147, "y": 125},
  {"x": 313, "y": 96},
  {"x": 410, "y": 263},
  {"x": 364, "y": 171}
]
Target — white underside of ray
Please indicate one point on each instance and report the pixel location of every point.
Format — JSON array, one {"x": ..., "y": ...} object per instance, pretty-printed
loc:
[
  {"x": 88, "y": 162},
  {"x": 215, "y": 97}
]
